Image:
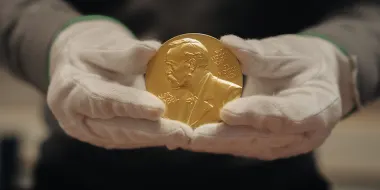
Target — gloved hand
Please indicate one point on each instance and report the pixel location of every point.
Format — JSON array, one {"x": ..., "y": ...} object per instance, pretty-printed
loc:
[
  {"x": 97, "y": 90},
  {"x": 297, "y": 89}
]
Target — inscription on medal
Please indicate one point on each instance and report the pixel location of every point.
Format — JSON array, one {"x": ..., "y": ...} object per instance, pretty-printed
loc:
[
  {"x": 225, "y": 70},
  {"x": 168, "y": 98}
]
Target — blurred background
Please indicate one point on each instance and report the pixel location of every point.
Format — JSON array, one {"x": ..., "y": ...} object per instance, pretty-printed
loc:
[
  {"x": 22, "y": 129},
  {"x": 350, "y": 158}
]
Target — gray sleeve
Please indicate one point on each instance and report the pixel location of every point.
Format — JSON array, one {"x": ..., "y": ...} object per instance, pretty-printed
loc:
[
  {"x": 27, "y": 28},
  {"x": 357, "y": 31}
]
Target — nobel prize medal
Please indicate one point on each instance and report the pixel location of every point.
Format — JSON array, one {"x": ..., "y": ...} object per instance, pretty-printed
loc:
[{"x": 195, "y": 76}]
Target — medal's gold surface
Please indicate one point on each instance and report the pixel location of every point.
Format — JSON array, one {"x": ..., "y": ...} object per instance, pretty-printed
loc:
[{"x": 194, "y": 75}]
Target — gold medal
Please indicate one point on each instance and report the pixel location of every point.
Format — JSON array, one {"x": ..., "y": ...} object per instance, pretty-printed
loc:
[{"x": 195, "y": 76}]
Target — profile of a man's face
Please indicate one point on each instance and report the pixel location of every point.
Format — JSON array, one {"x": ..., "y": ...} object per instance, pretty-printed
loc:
[{"x": 182, "y": 59}]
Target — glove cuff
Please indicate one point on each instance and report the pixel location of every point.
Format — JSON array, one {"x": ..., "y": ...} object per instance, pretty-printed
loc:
[
  {"x": 80, "y": 19},
  {"x": 340, "y": 48},
  {"x": 348, "y": 71}
]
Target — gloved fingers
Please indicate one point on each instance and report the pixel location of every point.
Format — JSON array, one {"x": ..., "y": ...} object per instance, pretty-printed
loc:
[
  {"x": 273, "y": 146},
  {"x": 122, "y": 56},
  {"x": 97, "y": 98},
  {"x": 295, "y": 110},
  {"x": 127, "y": 132},
  {"x": 247, "y": 142},
  {"x": 222, "y": 138},
  {"x": 231, "y": 140},
  {"x": 266, "y": 59},
  {"x": 302, "y": 144}
]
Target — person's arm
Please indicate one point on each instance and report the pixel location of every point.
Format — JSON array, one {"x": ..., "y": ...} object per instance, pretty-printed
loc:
[
  {"x": 27, "y": 28},
  {"x": 356, "y": 31}
]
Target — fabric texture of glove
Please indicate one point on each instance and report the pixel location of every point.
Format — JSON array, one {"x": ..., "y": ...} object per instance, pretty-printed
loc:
[
  {"x": 297, "y": 89},
  {"x": 97, "y": 90}
]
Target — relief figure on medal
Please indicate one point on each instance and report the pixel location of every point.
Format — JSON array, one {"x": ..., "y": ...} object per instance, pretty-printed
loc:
[{"x": 201, "y": 93}]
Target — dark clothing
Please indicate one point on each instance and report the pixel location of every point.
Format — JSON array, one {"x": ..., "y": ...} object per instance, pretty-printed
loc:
[
  {"x": 27, "y": 27},
  {"x": 86, "y": 167}
]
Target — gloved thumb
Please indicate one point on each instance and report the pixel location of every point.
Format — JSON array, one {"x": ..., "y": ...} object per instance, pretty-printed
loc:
[
  {"x": 248, "y": 54},
  {"x": 270, "y": 58}
]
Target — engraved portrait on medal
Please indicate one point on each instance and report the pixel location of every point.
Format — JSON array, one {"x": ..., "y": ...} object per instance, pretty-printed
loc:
[{"x": 194, "y": 75}]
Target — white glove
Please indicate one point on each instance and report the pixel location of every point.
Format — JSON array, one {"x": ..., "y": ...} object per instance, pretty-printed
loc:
[
  {"x": 297, "y": 89},
  {"x": 97, "y": 91}
]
